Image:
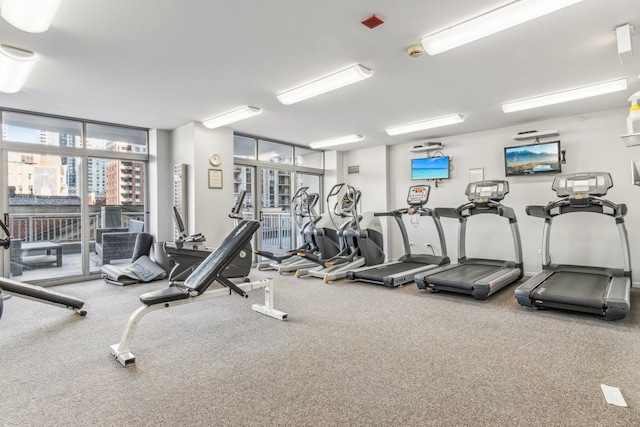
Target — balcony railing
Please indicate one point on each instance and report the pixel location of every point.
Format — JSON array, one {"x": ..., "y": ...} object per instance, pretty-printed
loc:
[
  {"x": 58, "y": 227},
  {"x": 66, "y": 227},
  {"x": 275, "y": 229}
]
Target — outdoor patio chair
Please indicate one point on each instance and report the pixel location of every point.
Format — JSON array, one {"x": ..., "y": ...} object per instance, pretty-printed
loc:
[{"x": 117, "y": 243}]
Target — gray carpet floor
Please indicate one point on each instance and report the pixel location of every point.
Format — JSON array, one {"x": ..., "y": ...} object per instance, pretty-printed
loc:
[{"x": 351, "y": 354}]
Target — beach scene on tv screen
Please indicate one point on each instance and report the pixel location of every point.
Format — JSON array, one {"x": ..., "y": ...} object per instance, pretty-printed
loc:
[
  {"x": 430, "y": 168},
  {"x": 530, "y": 159}
]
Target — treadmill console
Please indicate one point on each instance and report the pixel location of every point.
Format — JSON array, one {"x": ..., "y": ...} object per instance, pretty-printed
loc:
[
  {"x": 482, "y": 191},
  {"x": 579, "y": 185},
  {"x": 418, "y": 195}
]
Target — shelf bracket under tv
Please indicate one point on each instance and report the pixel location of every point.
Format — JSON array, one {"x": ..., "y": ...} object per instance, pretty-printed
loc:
[
  {"x": 537, "y": 135},
  {"x": 426, "y": 147}
]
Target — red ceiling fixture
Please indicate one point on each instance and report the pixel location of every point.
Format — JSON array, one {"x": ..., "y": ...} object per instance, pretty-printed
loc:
[{"x": 372, "y": 21}]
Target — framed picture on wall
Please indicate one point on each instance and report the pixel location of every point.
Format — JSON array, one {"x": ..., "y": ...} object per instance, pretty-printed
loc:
[
  {"x": 215, "y": 178},
  {"x": 476, "y": 174}
]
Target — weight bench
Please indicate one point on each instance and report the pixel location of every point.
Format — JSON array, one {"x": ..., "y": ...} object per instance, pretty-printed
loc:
[
  {"x": 33, "y": 292},
  {"x": 195, "y": 288},
  {"x": 40, "y": 294}
]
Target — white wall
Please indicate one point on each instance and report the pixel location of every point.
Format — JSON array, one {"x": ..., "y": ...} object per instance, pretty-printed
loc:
[
  {"x": 208, "y": 209},
  {"x": 592, "y": 143},
  {"x": 161, "y": 185},
  {"x": 372, "y": 180}
]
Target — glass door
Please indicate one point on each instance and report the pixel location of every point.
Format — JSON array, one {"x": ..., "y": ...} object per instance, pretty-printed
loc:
[
  {"x": 44, "y": 215},
  {"x": 275, "y": 210},
  {"x": 115, "y": 190}
]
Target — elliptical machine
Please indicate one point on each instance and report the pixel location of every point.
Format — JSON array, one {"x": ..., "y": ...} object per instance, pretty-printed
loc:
[
  {"x": 304, "y": 212},
  {"x": 322, "y": 231},
  {"x": 360, "y": 236}
]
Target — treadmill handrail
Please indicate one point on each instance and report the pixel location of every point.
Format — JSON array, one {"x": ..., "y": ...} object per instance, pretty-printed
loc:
[
  {"x": 472, "y": 208},
  {"x": 564, "y": 206},
  {"x": 448, "y": 213},
  {"x": 478, "y": 207}
]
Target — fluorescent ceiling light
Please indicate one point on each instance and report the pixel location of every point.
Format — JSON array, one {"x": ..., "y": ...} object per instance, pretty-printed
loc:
[
  {"x": 426, "y": 124},
  {"x": 326, "y": 84},
  {"x": 565, "y": 96},
  {"x": 15, "y": 66},
  {"x": 232, "y": 116},
  {"x": 347, "y": 139},
  {"x": 33, "y": 16},
  {"x": 505, "y": 17}
]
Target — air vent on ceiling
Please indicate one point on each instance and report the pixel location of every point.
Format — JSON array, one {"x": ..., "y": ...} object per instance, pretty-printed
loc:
[
  {"x": 353, "y": 169},
  {"x": 372, "y": 22}
]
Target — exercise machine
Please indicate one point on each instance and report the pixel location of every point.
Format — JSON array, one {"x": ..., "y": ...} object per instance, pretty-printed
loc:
[
  {"x": 360, "y": 236},
  {"x": 196, "y": 288},
  {"x": 598, "y": 290},
  {"x": 397, "y": 273},
  {"x": 322, "y": 231},
  {"x": 304, "y": 204},
  {"x": 32, "y": 292},
  {"x": 479, "y": 277},
  {"x": 189, "y": 251}
]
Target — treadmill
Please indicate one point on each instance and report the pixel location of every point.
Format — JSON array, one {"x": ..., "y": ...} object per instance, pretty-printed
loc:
[
  {"x": 397, "y": 273},
  {"x": 597, "y": 290},
  {"x": 478, "y": 277}
]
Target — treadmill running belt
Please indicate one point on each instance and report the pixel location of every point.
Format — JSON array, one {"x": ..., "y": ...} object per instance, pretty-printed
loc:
[
  {"x": 378, "y": 274},
  {"x": 580, "y": 289},
  {"x": 462, "y": 276}
]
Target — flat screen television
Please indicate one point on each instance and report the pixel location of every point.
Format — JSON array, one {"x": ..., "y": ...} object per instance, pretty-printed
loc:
[
  {"x": 430, "y": 168},
  {"x": 532, "y": 159}
]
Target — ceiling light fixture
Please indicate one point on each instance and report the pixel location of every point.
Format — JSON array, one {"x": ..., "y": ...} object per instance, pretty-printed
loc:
[
  {"x": 15, "y": 66},
  {"x": 425, "y": 124},
  {"x": 33, "y": 16},
  {"x": 326, "y": 84},
  {"x": 347, "y": 139},
  {"x": 232, "y": 117},
  {"x": 497, "y": 20},
  {"x": 565, "y": 96}
]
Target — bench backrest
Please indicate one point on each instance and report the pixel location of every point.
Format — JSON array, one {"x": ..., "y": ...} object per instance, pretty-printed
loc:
[{"x": 213, "y": 265}]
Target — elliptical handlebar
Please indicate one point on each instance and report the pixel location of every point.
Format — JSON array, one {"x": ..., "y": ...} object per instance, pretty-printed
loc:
[
  {"x": 237, "y": 207},
  {"x": 348, "y": 203}
]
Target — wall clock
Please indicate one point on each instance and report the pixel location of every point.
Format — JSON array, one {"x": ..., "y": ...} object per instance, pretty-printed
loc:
[{"x": 215, "y": 159}]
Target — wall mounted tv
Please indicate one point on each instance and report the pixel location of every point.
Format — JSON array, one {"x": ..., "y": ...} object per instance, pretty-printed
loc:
[
  {"x": 532, "y": 159},
  {"x": 430, "y": 168}
]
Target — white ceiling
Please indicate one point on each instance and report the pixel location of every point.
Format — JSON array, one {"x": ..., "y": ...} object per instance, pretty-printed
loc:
[{"x": 163, "y": 63}]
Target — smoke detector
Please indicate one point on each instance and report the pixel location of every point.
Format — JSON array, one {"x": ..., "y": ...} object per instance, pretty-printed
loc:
[{"x": 415, "y": 51}]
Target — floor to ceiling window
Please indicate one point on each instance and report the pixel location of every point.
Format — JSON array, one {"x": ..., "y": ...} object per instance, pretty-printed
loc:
[
  {"x": 68, "y": 183},
  {"x": 272, "y": 172}
]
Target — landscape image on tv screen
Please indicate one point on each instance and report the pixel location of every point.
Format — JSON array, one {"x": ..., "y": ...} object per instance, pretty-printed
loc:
[
  {"x": 532, "y": 159},
  {"x": 430, "y": 168}
]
